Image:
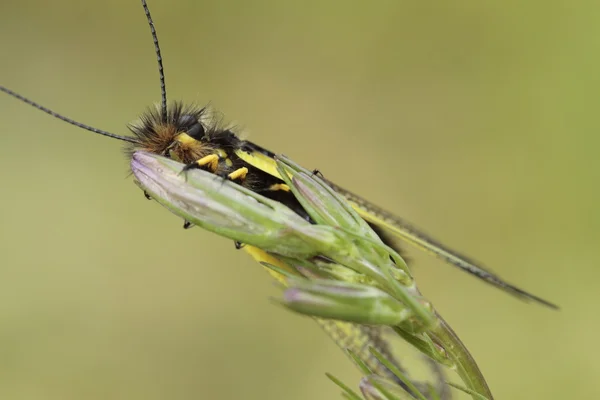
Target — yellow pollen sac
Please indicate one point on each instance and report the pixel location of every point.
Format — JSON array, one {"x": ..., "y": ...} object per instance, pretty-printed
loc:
[
  {"x": 184, "y": 138},
  {"x": 211, "y": 161},
  {"x": 238, "y": 174},
  {"x": 279, "y": 186}
]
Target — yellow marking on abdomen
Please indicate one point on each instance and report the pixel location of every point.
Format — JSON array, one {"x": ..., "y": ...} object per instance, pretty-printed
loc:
[{"x": 260, "y": 161}]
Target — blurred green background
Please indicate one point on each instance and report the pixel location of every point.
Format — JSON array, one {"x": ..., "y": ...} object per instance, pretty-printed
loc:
[{"x": 475, "y": 120}]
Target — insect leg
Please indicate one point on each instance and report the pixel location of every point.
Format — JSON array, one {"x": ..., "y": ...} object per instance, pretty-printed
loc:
[
  {"x": 208, "y": 163},
  {"x": 239, "y": 175},
  {"x": 279, "y": 186}
]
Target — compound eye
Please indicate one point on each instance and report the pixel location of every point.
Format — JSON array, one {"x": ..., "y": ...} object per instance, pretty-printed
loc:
[
  {"x": 196, "y": 131},
  {"x": 190, "y": 125},
  {"x": 187, "y": 120}
]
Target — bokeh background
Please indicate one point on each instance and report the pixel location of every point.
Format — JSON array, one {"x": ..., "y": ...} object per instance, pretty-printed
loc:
[{"x": 475, "y": 120}]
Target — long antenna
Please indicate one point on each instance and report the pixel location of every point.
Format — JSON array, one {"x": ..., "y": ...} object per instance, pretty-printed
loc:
[
  {"x": 161, "y": 73},
  {"x": 66, "y": 119}
]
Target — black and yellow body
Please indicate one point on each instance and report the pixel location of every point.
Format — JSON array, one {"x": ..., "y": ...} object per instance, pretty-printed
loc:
[{"x": 190, "y": 135}]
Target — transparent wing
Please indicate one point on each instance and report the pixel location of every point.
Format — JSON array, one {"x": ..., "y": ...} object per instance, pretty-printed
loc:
[
  {"x": 404, "y": 230},
  {"x": 410, "y": 234}
]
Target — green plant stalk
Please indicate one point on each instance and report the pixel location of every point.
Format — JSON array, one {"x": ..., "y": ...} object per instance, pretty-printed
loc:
[
  {"x": 237, "y": 213},
  {"x": 364, "y": 252},
  {"x": 466, "y": 367},
  {"x": 308, "y": 188},
  {"x": 343, "y": 237}
]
